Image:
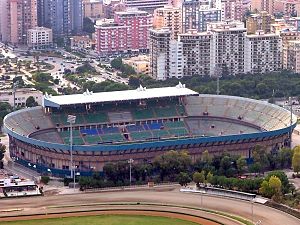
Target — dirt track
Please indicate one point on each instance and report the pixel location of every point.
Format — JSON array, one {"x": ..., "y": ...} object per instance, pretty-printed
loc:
[
  {"x": 89, "y": 201},
  {"x": 194, "y": 219}
]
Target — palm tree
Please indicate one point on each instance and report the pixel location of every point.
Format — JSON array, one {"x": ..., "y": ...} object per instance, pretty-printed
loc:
[{"x": 36, "y": 60}]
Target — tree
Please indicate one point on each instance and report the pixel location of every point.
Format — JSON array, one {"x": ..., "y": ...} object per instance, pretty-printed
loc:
[
  {"x": 199, "y": 178},
  {"x": 285, "y": 156},
  {"x": 283, "y": 178},
  {"x": 45, "y": 179},
  {"x": 183, "y": 179},
  {"x": 42, "y": 78},
  {"x": 134, "y": 81},
  {"x": 260, "y": 157},
  {"x": 2, "y": 152},
  {"x": 88, "y": 26},
  {"x": 30, "y": 102},
  {"x": 85, "y": 68},
  {"x": 117, "y": 63},
  {"x": 5, "y": 108},
  {"x": 275, "y": 184},
  {"x": 172, "y": 163},
  {"x": 271, "y": 187},
  {"x": 209, "y": 177},
  {"x": 265, "y": 189},
  {"x": 296, "y": 159},
  {"x": 241, "y": 165}
]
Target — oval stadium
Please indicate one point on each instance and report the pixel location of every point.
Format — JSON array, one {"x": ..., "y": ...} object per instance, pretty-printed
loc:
[{"x": 141, "y": 124}]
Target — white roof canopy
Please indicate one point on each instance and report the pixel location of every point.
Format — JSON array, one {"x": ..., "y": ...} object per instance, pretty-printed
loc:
[{"x": 117, "y": 96}]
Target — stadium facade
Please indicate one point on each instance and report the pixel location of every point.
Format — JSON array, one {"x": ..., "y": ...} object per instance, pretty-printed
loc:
[{"x": 141, "y": 124}]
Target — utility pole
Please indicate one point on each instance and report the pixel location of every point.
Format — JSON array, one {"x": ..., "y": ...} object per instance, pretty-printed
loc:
[
  {"x": 291, "y": 131},
  {"x": 218, "y": 85},
  {"x": 130, "y": 161}
]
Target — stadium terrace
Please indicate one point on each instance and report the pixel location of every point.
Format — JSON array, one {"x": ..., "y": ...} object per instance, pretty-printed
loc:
[{"x": 141, "y": 124}]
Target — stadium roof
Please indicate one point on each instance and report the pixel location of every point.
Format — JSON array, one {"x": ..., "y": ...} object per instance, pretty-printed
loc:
[{"x": 117, "y": 96}]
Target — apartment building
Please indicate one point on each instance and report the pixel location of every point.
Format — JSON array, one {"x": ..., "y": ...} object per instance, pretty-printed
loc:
[
  {"x": 263, "y": 52},
  {"x": 196, "y": 51},
  {"x": 263, "y": 5},
  {"x": 295, "y": 22},
  {"x": 146, "y": 5},
  {"x": 16, "y": 18},
  {"x": 128, "y": 31},
  {"x": 93, "y": 8},
  {"x": 291, "y": 8},
  {"x": 197, "y": 14},
  {"x": 292, "y": 60},
  {"x": 64, "y": 17},
  {"x": 260, "y": 21},
  {"x": 110, "y": 37},
  {"x": 227, "y": 52},
  {"x": 159, "y": 52},
  {"x": 170, "y": 17},
  {"x": 39, "y": 38},
  {"x": 289, "y": 46},
  {"x": 165, "y": 55},
  {"x": 138, "y": 24},
  {"x": 232, "y": 9}
]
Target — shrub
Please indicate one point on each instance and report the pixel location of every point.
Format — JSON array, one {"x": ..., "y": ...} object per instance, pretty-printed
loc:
[{"x": 45, "y": 179}]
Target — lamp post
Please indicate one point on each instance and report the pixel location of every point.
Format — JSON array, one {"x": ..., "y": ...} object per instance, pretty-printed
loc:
[
  {"x": 217, "y": 74},
  {"x": 15, "y": 85},
  {"x": 71, "y": 119},
  {"x": 252, "y": 211},
  {"x": 130, "y": 161}
]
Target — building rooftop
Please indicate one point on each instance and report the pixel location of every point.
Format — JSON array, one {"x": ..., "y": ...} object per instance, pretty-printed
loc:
[
  {"x": 117, "y": 96},
  {"x": 40, "y": 29}
]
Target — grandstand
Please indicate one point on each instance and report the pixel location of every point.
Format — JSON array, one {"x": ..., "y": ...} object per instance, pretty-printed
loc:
[{"x": 140, "y": 124}]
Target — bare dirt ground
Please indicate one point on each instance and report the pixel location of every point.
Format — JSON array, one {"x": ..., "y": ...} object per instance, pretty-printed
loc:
[{"x": 91, "y": 201}]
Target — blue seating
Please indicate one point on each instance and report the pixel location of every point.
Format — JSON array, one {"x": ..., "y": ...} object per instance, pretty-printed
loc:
[
  {"x": 155, "y": 126},
  {"x": 133, "y": 128},
  {"x": 110, "y": 130},
  {"x": 146, "y": 127},
  {"x": 89, "y": 131}
]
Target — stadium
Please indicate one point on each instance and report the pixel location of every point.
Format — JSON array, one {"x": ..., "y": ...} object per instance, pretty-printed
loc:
[{"x": 141, "y": 124}]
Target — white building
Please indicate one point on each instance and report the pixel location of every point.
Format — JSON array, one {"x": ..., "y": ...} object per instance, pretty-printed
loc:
[
  {"x": 196, "y": 47},
  {"x": 40, "y": 38},
  {"x": 165, "y": 55},
  {"x": 146, "y": 5},
  {"x": 225, "y": 49},
  {"x": 227, "y": 52},
  {"x": 176, "y": 59},
  {"x": 159, "y": 50},
  {"x": 21, "y": 96},
  {"x": 263, "y": 52}
]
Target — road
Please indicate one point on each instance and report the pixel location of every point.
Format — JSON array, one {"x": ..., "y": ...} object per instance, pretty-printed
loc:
[
  {"x": 267, "y": 215},
  {"x": 106, "y": 75}
]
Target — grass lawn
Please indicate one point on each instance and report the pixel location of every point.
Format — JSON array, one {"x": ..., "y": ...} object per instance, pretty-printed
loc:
[{"x": 104, "y": 220}]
